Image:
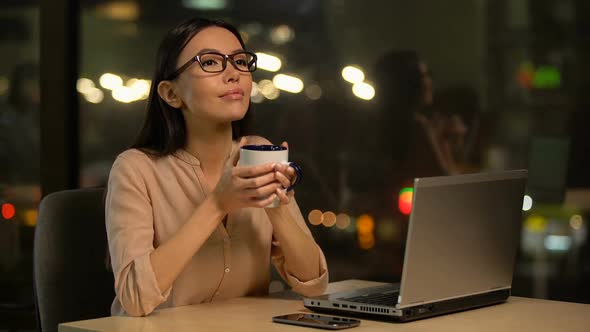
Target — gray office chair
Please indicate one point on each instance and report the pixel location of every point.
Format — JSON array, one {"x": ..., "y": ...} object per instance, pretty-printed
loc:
[{"x": 72, "y": 281}]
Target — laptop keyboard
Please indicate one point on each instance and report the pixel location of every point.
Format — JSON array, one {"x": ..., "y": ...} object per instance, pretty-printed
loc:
[{"x": 388, "y": 299}]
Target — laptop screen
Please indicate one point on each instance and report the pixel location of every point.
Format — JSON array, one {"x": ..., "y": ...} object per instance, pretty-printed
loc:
[{"x": 463, "y": 236}]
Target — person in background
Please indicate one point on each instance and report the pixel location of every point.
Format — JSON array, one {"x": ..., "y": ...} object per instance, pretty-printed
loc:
[
  {"x": 422, "y": 140},
  {"x": 185, "y": 224},
  {"x": 417, "y": 140}
]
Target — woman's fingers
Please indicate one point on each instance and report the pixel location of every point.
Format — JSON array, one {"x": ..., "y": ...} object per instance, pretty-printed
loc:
[
  {"x": 263, "y": 191},
  {"x": 252, "y": 171},
  {"x": 257, "y": 182},
  {"x": 285, "y": 181},
  {"x": 264, "y": 201},
  {"x": 284, "y": 196}
]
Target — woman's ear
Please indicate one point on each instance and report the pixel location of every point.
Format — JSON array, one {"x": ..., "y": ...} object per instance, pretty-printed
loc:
[{"x": 166, "y": 92}]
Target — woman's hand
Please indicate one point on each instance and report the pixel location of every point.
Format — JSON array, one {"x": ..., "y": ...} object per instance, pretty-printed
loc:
[
  {"x": 285, "y": 175},
  {"x": 245, "y": 186}
]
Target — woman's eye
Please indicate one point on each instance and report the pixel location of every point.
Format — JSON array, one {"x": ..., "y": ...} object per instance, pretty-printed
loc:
[{"x": 209, "y": 63}]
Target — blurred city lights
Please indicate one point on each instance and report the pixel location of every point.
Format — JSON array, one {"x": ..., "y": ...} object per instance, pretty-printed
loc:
[
  {"x": 8, "y": 211},
  {"x": 404, "y": 201},
  {"x": 30, "y": 217},
  {"x": 526, "y": 73},
  {"x": 125, "y": 94},
  {"x": 94, "y": 95},
  {"x": 268, "y": 89},
  {"x": 547, "y": 77},
  {"x": 254, "y": 91},
  {"x": 353, "y": 74},
  {"x": 255, "y": 94},
  {"x": 543, "y": 77},
  {"x": 329, "y": 218},
  {"x": 557, "y": 242},
  {"x": 343, "y": 221},
  {"x": 205, "y": 4},
  {"x": 257, "y": 99},
  {"x": 268, "y": 62},
  {"x": 365, "y": 224},
  {"x": 288, "y": 83},
  {"x": 527, "y": 203},
  {"x": 119, "y": 10},
  {"x": 273, "y": 95},
  {"x": 535, "y": 224},
  {"x": 140, "y": 87},
  {"x": 84, "y": 85},
  {"x": 363, "y": 90},
  {"x": 282, "y": 34},
  {"x": 313, "y": 91},
  {"x": 576, "y": 221},
  {"x": 110, "y": 81},
  {"x": 366, "y": 241},
  {"x": 315, "y": 217}
]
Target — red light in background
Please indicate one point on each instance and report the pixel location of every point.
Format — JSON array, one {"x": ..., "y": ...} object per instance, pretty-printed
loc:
[
  {"x": 8, "y": 211},
  {"x": 404, "y": 202}
]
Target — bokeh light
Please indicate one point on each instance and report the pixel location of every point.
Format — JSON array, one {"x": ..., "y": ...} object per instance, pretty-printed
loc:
[
  {"x": 315, "y": 217},
  {"x": 353, "y": 74},
  {"x": 527, "y": 203},
  {"x": 404, "y": 201},
  {"x": 343, "y": 221},
  {"x": 363, "y": 90},
  {"x": 329, "y": 218},
  {"x": 576, "y": 221},
  {"x": 8, "y": 211}
]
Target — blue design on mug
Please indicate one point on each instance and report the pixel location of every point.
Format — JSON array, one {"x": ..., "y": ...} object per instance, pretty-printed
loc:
[{"x": 299, "y": 177}]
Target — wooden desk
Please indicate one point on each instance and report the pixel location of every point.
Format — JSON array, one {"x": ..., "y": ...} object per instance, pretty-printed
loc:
[{"x": 254, "y": 314}]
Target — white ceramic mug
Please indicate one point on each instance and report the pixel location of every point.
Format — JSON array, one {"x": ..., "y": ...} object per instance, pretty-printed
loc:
[{"x": 252, "y": 155}]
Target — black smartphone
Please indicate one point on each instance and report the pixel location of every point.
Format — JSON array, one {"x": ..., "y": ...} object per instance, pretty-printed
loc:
[{"x": 317, "y": 321}]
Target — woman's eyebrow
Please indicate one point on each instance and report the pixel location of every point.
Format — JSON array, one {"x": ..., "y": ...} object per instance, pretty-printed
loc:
[{"x": 206, "y": 50}]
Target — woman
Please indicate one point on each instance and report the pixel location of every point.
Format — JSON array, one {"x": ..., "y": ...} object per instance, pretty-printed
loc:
[{"x": 185, "y": 224}]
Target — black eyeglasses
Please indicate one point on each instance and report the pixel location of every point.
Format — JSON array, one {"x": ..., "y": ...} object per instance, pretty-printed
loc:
[{"x": 214, "y": 62}]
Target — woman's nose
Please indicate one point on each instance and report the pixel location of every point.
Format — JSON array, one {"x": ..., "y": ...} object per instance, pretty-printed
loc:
[{"x": 231, "y": 74}]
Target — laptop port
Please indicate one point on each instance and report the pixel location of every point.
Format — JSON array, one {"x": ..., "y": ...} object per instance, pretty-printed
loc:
[
  {"x": 345, "y": 306},
  {"x": 336, "y": 305},
  {"x": 352, "y": 307}
]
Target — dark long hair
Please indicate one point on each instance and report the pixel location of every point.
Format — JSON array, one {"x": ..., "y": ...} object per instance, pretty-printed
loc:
[{"x": 164, "y": 127}]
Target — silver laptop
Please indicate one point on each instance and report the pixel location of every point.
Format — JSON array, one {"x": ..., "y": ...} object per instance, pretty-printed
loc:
[{"x": 460, "y": 251}]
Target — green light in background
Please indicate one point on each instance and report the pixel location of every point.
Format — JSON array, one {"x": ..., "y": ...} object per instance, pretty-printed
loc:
[
  {"x": 547, "y": 77},
  {"x": 205, "y": 4}
]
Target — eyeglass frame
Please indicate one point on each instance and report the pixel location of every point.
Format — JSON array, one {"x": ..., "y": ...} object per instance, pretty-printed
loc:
[{"x": 226, "y": 57}]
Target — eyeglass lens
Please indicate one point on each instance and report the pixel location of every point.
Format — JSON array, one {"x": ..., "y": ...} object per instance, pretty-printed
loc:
[{"x": 213, "y": 62}]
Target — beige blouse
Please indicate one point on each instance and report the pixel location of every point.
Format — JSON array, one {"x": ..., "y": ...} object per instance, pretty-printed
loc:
[{"x": 149, "y": 199}]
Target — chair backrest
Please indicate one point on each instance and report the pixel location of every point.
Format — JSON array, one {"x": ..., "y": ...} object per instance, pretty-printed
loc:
[{"x": 72, "y": 281}]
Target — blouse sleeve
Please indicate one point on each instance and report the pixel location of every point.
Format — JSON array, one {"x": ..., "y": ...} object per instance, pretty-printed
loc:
[
  {"x": 130, "y": 231},
  {"x": 312, "y": 287}
]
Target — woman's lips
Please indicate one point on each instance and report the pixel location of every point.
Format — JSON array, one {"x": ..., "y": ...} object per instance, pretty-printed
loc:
[{"x": 233, "y": 94}]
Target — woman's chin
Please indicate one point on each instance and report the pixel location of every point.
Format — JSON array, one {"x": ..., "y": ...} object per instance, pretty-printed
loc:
[{"x": 233, "y": 115}]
